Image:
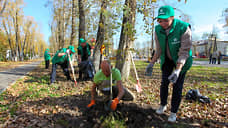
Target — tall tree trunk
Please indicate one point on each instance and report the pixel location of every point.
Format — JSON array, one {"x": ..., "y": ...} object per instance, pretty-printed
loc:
[
  {"x": 17, "y": 36},
  {"x": 126, "y": 38},
  {"x": 25, "y": 40},
  {"x": 81, "y": 19},
  {"x": 100, "y": 36},
  {"x": 63, "y": 23},
  {"x": 59, "y": 34},
  {"x": 73, "y": 31}
]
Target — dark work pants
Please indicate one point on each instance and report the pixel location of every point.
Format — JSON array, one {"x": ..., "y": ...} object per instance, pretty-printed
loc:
[
  {"x": 47, "y": 62},
  {"x": 64, "y": 66},
  {"x": 167, "y": 70},
  {"x": 213, "y": 60}
]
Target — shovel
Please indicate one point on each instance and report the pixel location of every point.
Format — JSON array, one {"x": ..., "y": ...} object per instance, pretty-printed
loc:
[
  {"x": 138, "y": 85},
  {"x": 72, "y": 69}
]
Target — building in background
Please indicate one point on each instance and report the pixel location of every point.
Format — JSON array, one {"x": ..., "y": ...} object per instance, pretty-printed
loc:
[{"x": 203, "y": 48}]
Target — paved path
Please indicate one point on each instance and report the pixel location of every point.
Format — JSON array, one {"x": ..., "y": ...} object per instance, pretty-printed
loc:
[
  {"x": 10, "y": 76},
  {"x": 223, "y": 64}
]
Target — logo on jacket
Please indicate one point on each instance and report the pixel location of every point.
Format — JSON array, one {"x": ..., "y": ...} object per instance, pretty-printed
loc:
[{"x": 175, "y": 41}]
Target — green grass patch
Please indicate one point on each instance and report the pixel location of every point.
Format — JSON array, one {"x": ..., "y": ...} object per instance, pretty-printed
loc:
[{"x": 112, "y": 121}]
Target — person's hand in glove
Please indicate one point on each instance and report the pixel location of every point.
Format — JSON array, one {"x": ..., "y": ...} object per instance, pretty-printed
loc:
[
  {"x": 174, "y": 76},
  {"x": 114, "y": 104},
  {"x": 68, "y": 51},
  {"x": 92, "y": 103},
  {"x": 149, "y": 69}
]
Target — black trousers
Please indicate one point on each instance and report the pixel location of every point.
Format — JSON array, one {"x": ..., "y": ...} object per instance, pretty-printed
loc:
[
  {"x": 47, "y": 62},
  {"x": 167, "y": 70}
]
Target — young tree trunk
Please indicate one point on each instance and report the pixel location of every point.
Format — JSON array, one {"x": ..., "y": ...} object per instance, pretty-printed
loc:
[
  {"x": 126, "y": 39},
  {"x": 100, "y": 36},
  {"x": 81, "y": 19}
]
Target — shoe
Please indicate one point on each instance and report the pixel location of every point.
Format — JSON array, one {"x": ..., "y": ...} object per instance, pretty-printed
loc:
[
  {"x": 161, "y": 109},
  {"x": 172, "y": 118}
]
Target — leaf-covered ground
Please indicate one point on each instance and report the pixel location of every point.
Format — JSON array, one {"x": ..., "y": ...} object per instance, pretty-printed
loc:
[{"x": 31, "y": 102}]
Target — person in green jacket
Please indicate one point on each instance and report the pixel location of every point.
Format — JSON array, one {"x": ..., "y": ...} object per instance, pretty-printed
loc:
[
  {"x": 86, "y": 70},
  {"x": 47, "y": 57},
  {"x": 61, "y": 58},
  {"x": 173, "y": 47}
]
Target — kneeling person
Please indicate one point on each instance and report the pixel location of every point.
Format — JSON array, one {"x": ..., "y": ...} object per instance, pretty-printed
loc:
[{"x": 102, "y": 83}]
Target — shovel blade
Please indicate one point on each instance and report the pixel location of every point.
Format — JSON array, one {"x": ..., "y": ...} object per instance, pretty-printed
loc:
[{"x": 75, "y": 83}]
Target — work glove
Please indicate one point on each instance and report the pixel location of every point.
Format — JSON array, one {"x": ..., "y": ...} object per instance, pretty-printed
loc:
[
  {"x": 174, "y": 76},
  {"x": 149, "y": 69},
  {"x": 67, "y": 51},
  {"x": 92, "y": 103},
  {"x": 114, "y": 104}
]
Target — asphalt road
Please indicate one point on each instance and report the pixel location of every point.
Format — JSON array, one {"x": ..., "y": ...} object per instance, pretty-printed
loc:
[{"x": 10, "y": 76}]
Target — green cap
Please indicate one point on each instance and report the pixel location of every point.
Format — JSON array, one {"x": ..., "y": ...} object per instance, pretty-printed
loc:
[
  {"x": 81, "y": 40},
  {"x": 47, "y": 49},
  {"x": 71, "y": 48},
  {"x": 165, "y": 12}
]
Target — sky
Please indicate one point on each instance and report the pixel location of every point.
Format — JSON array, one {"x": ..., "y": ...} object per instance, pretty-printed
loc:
[{"x": 205, "y": 14}]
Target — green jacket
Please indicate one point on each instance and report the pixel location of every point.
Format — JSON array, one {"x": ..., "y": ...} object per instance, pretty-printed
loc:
[
  {"x": 47, "y": 55},
  {"x": 174, "y": 42},
  {"x": 87, "y": 49},
  {"x": 59, "y": 60}
]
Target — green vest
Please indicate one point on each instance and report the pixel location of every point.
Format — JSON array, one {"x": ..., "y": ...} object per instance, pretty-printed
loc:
[
  {"x": 87, "y": 49},
  {"x": 61, "y": 59},
  {"x": 47, "y": 55},
  {"x": 174, "y": 43}
]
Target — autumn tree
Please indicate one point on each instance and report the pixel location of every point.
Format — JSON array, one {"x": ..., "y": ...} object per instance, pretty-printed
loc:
[
  {"x": 18, "y": 29},
  {"x": 100, "y": 36},
  {"x": 62, "y": 13},
  {"x": 225, "y": 16},
  {"x": 126, "y": 38}
]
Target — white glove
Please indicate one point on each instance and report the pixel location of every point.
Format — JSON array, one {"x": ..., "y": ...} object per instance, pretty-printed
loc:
[
  {"x": 174, "y": 76},
  {"x": 67, "y": 51}
]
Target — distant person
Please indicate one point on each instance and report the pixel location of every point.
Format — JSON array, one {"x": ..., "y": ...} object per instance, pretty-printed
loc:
[
  {"x": 86, "y": 69},
  {"x": 210, "y": 58},
  {"x": 61, "y": 58},
  {"x": 214, "y": 57},
  {"x": 173, "y": 45},
  {"x": 102, "y": 82},
  {"x": 219, "y": 57},
  {"x": 47, "y": 57}
]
